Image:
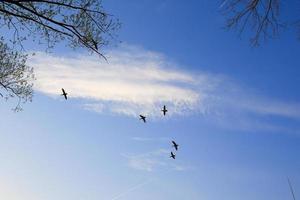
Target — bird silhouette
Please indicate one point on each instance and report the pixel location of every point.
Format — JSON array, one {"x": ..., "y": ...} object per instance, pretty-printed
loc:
[
  {"x": 164, "y": 110},
  {"x": 172, "y": 155},
  {"x": 143, "y": 118},
  {"x": 64, "y": 93},
  {"x": 175, "y": 145}
]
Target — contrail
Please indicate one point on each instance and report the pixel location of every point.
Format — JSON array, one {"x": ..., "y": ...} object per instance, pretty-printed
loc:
[
  {"x": 291, "y": 188},
  {"x": 122, "y": 194},
  {"x": 223, "y": 4}
]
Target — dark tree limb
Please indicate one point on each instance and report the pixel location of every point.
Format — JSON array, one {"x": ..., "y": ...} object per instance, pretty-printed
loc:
[
  {"x": 83, "y": 23},
  {"x": 258, "y": 16}
]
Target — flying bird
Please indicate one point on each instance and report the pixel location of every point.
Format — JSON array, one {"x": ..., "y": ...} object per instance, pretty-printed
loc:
[
  {"x": 164, "y": 110},
  {"x": 143, "y": 118},
  {"x": 64, "y": 93},
  {"x": 175, "y": 145},
  {"x": 172, "y": 155}
]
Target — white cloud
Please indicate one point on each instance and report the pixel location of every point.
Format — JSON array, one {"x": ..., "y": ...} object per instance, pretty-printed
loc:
[
  {"x": 133, "y": 81},
  {"x": 155, "y": 160},
  {"x": 271, "y": 107},
  {"x": 136, "y": 81},
  {"x": 94, "y": 107}
]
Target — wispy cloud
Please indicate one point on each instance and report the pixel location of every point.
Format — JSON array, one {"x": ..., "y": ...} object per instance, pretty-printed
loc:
[
  {"x": 133, "y": 81},
  {"x": 148, "y": 139},
  {"x": 139, "y": 81},
  {"x": 154, "y": 160},
  {"x": 132, "y": 189}
]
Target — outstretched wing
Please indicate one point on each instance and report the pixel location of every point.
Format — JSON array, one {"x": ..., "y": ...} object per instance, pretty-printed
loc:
[
  {"x": 172, "y": 155},
  {"x": 175, "y": 145},
  {"x": 64, "y": 93},
  {"x": 143, "y": 118},
  {"x": 164, "y": 110}
]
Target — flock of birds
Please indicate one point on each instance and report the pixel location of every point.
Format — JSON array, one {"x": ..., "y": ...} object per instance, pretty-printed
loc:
[
  {"x": 143, "y": 118},
  {"x": 175, "y": 145}
]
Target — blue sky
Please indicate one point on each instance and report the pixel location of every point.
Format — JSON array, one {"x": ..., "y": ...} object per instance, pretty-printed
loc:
[{"x": 233, "y": 109}]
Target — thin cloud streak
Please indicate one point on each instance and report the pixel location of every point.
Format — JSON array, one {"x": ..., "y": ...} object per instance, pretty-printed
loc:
[
  {"x": 154, "y": 160},
  {"x": 148, "y": 139},
  {"x": 138, "y": 186}
]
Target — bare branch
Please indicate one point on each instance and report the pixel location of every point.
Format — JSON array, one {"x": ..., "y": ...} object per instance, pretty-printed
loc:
[
  {"x": 83, "y": 23},
  {"x": 258, "y": 16}
]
